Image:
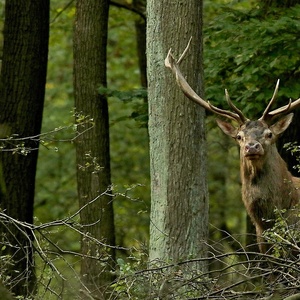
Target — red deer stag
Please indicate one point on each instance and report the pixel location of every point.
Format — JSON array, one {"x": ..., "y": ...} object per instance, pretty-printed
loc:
[{"x": 266, "y": 182}]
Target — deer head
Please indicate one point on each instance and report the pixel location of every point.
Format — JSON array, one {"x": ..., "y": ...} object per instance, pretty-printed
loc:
[{"x": 256, "y": 138}]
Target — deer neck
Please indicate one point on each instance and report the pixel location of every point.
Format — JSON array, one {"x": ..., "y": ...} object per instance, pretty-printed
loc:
[{"x": 266, "y": 169}]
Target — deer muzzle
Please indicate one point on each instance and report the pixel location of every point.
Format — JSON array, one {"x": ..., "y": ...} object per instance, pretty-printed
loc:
[{"x": 253, "y": 150}]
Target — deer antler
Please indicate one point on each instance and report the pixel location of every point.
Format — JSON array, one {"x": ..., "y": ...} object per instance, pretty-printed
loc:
[
  {"x": 171, "y": 63},
  {"x": 269, "y": 115},
  {"x": 236, "y": 114}
]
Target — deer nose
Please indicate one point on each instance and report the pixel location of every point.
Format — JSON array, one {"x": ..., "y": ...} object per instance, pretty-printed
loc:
[{"x": 252, "y": 148}]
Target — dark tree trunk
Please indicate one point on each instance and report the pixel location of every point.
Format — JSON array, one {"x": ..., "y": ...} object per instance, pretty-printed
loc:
[
  {"x": 291, "y": 135},
  {"x": 92, "y": 147},
  {"x": 140, "y": 28},
  {"x": 22, "y": 89}
]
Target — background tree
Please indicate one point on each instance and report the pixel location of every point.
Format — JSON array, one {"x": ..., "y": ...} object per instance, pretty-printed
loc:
[
  {"x": 179, "y": 200},
  {"x": 92, "y": 148},
  {"x": 22, "y": 89},
  {"x": 140, "y": 27}
]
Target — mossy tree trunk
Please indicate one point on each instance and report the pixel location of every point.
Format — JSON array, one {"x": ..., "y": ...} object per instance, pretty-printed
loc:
[{"x": 179, "y": 207}]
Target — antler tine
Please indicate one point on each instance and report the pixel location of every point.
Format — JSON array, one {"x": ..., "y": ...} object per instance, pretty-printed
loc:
[
  {"x": 285, "y": 109},
  {"x": 171, "y": 63},
  {"x": 225, "y": 113},
  {"x": 184, "y": 51},
  {"x": 269, "y": 115},
  {"x": 238, "y": 111},
  {"x": 265, "y": 115}
]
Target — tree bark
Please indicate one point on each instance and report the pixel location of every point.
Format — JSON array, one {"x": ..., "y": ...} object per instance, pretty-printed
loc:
[
  {"x": 92, "y": 147},
  {"x": 179, "y": 207},
  {"x": 140, "y": 29},
  {"x": 22, "y": 89}
]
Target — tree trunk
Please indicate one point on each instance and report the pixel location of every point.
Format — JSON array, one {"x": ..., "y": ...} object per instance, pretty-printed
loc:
[
  {"x": 140, "y": 29},
  {"x": 92, "y": 147},
  {"x": 292, "y": 134},
  {"x": 22, "y": 88},
  {"x": 179, "y": 207}
]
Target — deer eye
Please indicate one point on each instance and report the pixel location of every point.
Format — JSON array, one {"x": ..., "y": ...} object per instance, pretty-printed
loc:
[
  {"x": 269, "y": 135},
  {"x": 238, "y": 137}
]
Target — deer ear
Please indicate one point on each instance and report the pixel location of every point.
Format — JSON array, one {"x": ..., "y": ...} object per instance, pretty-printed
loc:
[
  {"x": 227, "y": 128},
  {"x": 282, "y": 124}
]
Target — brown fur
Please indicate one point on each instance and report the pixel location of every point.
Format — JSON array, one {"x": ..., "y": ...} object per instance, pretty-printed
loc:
[{"x": 266, "y": 182}]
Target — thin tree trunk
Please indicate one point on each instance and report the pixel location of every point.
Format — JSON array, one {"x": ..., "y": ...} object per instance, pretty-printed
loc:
[
  {"x": 140, "y": 29},
  {"x": 92, "y": 147},
  {"x": 179, "y": 207},
  {"x": 23, "y": 77}
]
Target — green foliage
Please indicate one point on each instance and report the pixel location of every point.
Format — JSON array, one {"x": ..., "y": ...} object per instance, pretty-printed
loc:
[
  {"x": 246, "y": 51},
  {"x": 123, "y": 71},
  {"x": 137, "y": 98},
  {"x": 294, "y": 148},
  {"x": 284, "y": 235}
]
